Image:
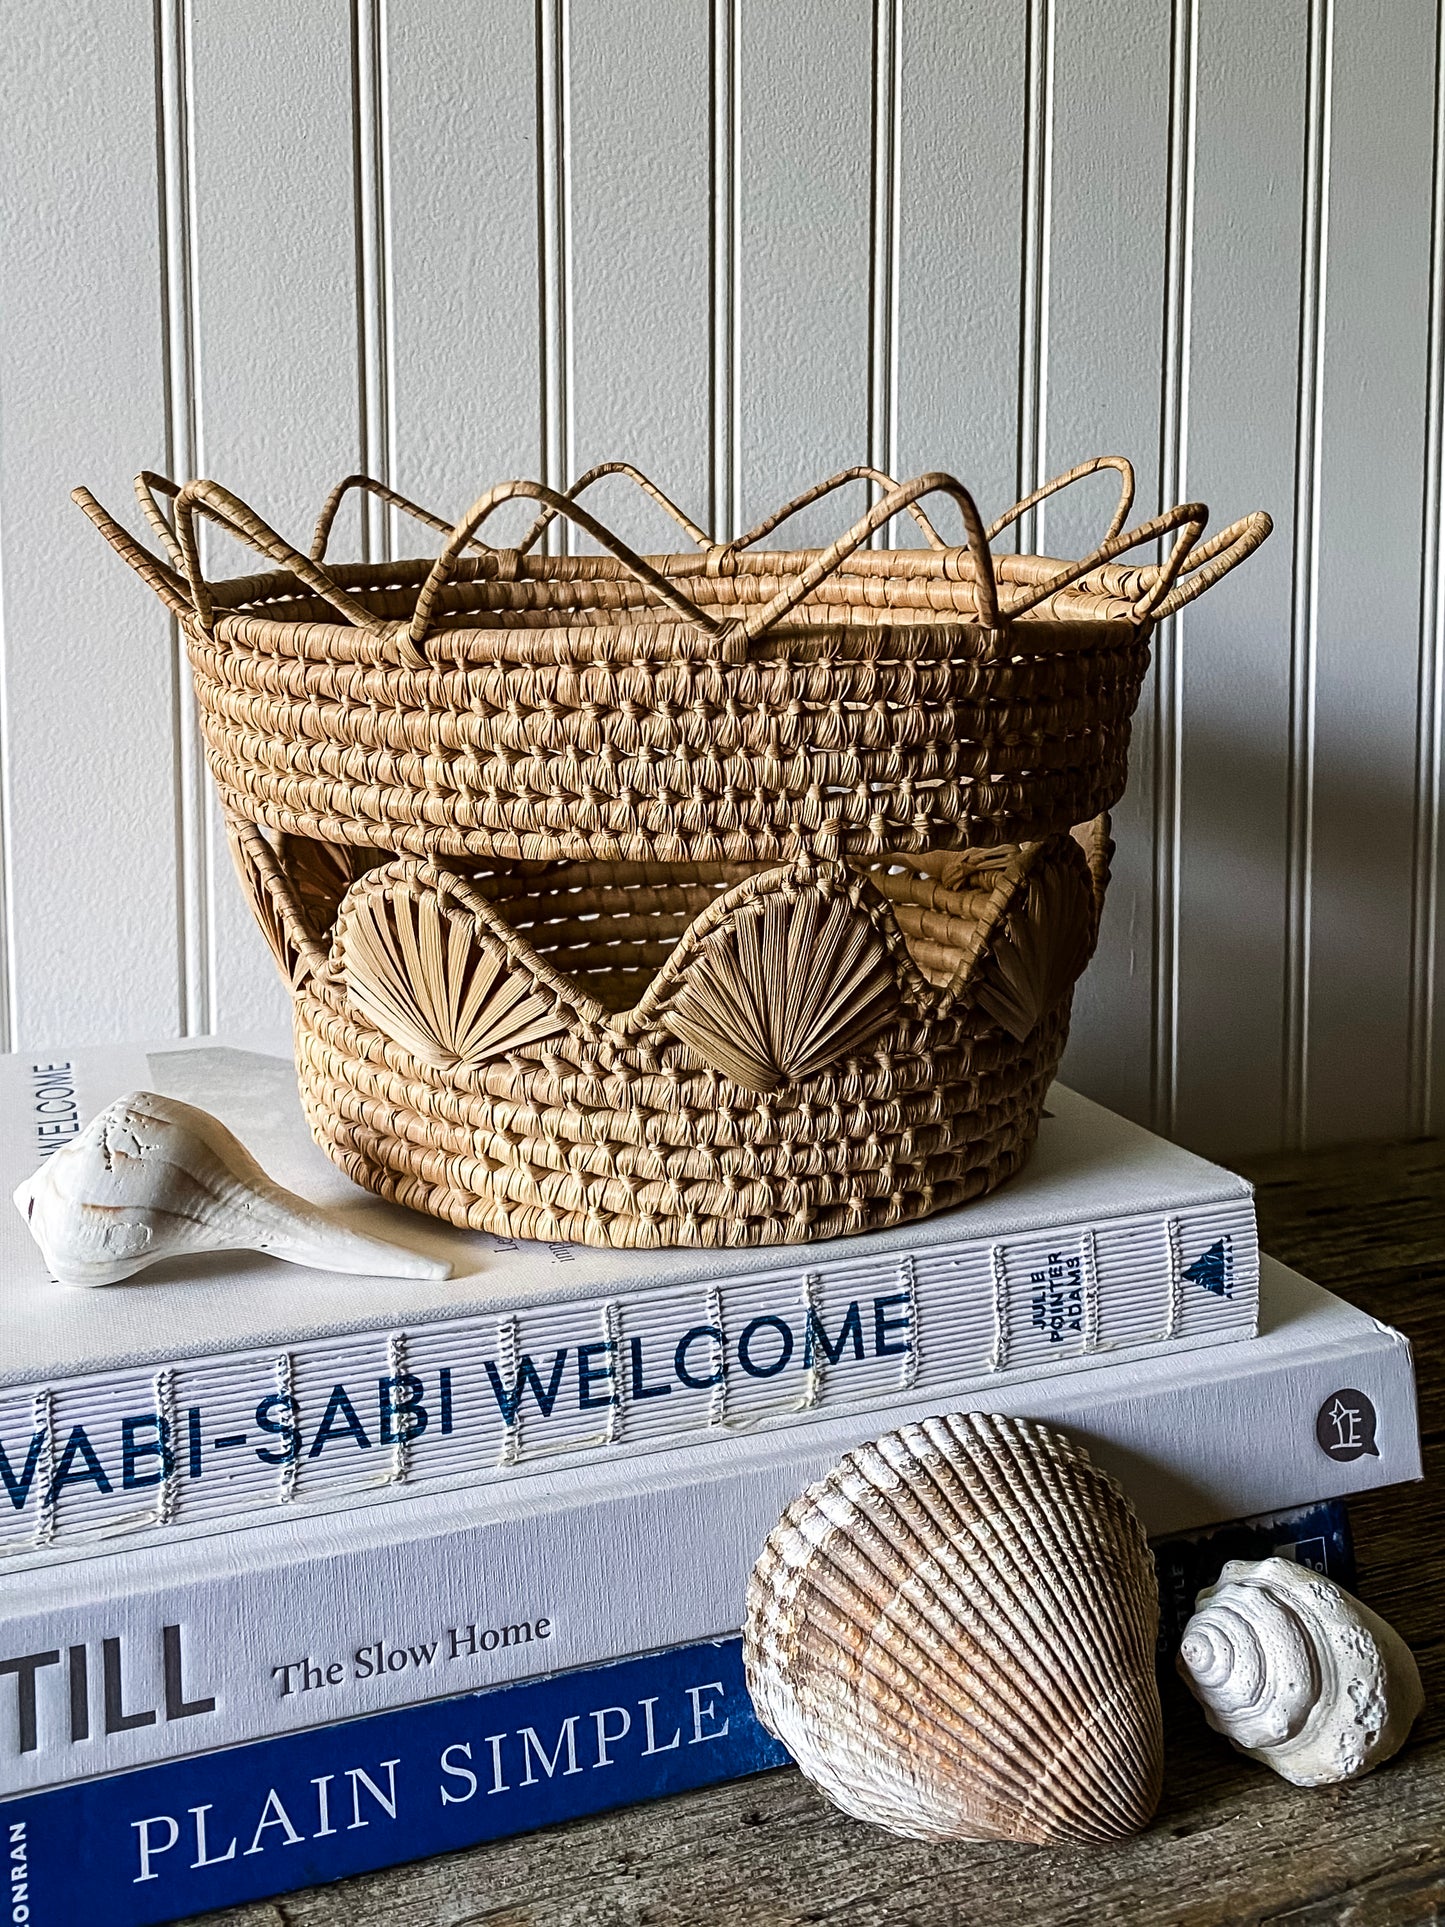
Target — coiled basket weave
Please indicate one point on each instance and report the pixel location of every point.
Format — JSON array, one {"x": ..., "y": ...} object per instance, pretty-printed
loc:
[{"x": 724, "y": 897}]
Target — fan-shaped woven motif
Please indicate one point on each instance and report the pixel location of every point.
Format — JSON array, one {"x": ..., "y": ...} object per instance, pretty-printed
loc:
[
  {"x": 712, "y": 1054},
  {"x": 791, "y": 983},
  {"x": 1045, "y": 939},
  {"x": 425, "y": 977},
  {"x": 320, "y": 874},
  {"x": 274, "y": 904}
]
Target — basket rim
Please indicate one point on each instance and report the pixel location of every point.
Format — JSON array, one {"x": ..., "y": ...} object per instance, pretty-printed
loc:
[
  {"x": 1109, "y": 594},
  {"x": 1187, "y": 565}
]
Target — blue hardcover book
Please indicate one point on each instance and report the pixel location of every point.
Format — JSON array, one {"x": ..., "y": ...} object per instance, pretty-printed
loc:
[
  {"x": 1317, "y": 1536},
  {"x": 252, "y": 1821}
]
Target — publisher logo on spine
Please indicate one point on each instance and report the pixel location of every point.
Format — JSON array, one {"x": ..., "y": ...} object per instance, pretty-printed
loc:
[{"x": 1345, "y": 1426}]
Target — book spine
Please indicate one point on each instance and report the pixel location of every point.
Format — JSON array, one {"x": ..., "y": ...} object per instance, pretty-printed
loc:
[
  {"x": 152, "y": 1654},
  {"x": 493, "y": 1397},
  {"x": 1316, "y": 1536},
  {"x": 166, "y": 1841},
  {"x": 253, "y": 1821}
]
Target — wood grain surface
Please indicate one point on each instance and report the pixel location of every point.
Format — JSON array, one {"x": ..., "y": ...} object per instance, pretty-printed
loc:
[{"x": 1231, "y": 1845}]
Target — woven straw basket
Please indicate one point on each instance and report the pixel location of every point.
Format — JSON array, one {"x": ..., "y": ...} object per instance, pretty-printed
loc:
[{"x": 718, "y": 898}]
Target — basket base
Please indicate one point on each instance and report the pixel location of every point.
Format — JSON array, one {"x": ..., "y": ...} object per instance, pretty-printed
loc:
[{"x": 527, "y": 1163}]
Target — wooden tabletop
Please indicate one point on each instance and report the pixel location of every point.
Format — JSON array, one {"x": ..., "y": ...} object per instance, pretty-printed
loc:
[{"x": 1231, "y": 1844}]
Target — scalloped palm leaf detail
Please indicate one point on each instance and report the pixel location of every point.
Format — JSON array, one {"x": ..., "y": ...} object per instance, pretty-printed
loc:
[
  {"x": 423, "y": 975},
  {"x": 789, "y": 984},
  {"x": 1039, "y": 947},
  {"x": 273, "y": 903}
]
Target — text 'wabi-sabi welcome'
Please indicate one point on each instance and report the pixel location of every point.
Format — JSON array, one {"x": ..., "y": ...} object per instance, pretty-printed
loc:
[{"x": 143, "y": 1449}]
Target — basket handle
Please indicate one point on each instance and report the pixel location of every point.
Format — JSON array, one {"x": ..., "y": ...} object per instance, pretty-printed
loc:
[
  {"x": 1188, "y": 517},
  {"x": 1125, "y": 469},
  {"x": 146, "y": 484},
  {"x": 729, "y": 637},
  {"x": 158, "y": 576},
  {"x": 1218, "y": 556},
  {"x": 901, "y": 496},
  {"x": 370, "y": 486},
  {"x": 232, "y": 514},
  {"x": 717, "y": 562},
  {"x": 649, "y": 488}
]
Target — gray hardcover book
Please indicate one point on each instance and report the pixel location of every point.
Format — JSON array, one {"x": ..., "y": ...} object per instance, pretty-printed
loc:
[{"x": 222, "y": 1637}]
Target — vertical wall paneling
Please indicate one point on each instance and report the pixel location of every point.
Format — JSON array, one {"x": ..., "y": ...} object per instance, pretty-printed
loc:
[
  {"x": 1300, "y": 742},
  {"x": 745, "y": 245},
  {"x": 1426, "y": 1044},
  {"x": 180, "y": 357},
  {"x": 554, "y": 214},
  {"x": 1173, "y": 443},
  {"x": 641, "y": 257},
  {"x": 961, "y": 137},
  {"x": 725, "y": 212},
  {"x": 883, "y": 248},
  {"x": 276, "y": 306},
  {"x": 1112, "y": 88},
  {"x": 89, "y": 670},
  {"x": 1232, "y": 648},
  {"x": 1371, "y": 467},
  {"x": 465, "y": 251},
  {"x": 9, "y": 1028},
  {"x": 371, "y": 174},
  {"x": 1038, "y": 112},
  {"x": 803, "y": 272}
]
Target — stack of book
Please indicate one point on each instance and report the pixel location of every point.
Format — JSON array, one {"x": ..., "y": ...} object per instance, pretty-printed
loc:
[{"x": 305, "y": 1575}]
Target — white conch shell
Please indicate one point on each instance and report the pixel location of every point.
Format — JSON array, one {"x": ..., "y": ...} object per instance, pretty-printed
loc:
[
  {"x": 954, "y": 1632},
  {"x": 152, "y": 1178},
  {"x": 1296, "y": 1673}
]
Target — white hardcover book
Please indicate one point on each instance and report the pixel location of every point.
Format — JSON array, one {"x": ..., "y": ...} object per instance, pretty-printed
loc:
[
  {"x": 150, "y": 1652},
  {"x": 219, "y": 1390}
]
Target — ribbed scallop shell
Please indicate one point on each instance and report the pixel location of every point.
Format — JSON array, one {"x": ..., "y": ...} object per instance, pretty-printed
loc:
[
  {"x": 1296, "y": 1673},
  {"x": 954, "y": 1632}
]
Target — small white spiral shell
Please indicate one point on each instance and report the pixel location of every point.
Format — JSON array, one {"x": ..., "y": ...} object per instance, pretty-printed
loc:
[{"x": 1299, "y": 1675}]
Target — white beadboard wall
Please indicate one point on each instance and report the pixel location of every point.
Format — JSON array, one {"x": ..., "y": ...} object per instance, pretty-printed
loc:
[{"x": 744, "y": 244}]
